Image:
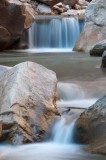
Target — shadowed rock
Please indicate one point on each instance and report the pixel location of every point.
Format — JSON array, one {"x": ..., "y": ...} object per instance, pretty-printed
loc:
[
  {"x": 91, "y": 126},
  {"x": 15, "y": 17}
]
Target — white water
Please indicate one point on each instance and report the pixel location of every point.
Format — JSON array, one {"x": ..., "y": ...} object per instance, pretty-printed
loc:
[
  {"x": 63, "y": 132},
  {"x": 73, "y": 95},
  {"x": 56, "y": 33}
]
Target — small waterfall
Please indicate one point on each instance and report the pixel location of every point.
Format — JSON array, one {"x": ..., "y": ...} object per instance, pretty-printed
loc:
[
  {"x": 55, "y": 33},
  {"x": 63, "y": 132}
]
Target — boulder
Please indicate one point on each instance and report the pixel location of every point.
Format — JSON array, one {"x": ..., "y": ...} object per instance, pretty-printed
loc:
[
  {"x": 83, "y": 3},
  {"x": 91, "y": 126},
  {"x": 95, "y": 26},
  {"x": 16, "y": 16},
  {"x": 98, "y": 49},
  {"x": 103, "y": 65},
  {"x": 44, "y": 9},
  {"x": 27, "y": 103},
  {"x": 60, "y": 8}
]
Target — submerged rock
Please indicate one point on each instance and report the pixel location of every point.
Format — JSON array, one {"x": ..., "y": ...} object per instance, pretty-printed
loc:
[
  {"x": 98, "y": 49},
  {"x": 91, "y": 126},
  {"x": 95, "y": 26},
  {"x": 27, "y": 103},
  {"x": 15, "y": 17}
]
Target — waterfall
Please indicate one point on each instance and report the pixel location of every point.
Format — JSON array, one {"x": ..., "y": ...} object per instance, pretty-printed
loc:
[
  {"x": 63, "y": 132},
  {"x": 55, "y": 33}
]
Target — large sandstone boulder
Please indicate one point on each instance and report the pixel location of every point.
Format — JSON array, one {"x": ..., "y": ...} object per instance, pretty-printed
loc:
[
  {"x": 27, "y": 103},
  {"x": 15, "y": 17},
  {"x": 98, "y": 49},
  {"x": 91, "y": 126},
  {"x": 95, "y": 26}
]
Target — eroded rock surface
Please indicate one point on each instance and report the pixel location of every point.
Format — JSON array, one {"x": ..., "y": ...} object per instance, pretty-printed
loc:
[
  {"x": 27, "y": 103},
  {"x": 91, "y": 126}
]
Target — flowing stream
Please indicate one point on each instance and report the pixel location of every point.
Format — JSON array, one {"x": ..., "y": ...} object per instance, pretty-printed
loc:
[
  {"x": 75, "y": 89},
  {"x": 81, "y": 83}
]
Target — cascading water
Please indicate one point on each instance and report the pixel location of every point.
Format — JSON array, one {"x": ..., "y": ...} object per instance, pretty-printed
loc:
[
  {"x": 56, "y": 33},
  {"x": 63, "y": 132},
  {"x": 62, "y": 145},
  {"x": 73, "y": 95}
]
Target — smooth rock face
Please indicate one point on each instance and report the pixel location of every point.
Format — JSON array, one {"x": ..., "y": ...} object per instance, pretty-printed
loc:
[
  {"x": 98, "y": 49},
  {"x": 103, "y": 65},
  {"x": 27, "y": 103},
  {"x": 95, "y": 26},
  {"x": 15, "y": 17},
  {"x": 91, "y": 126},
  {"x": 44, "y": 9}
]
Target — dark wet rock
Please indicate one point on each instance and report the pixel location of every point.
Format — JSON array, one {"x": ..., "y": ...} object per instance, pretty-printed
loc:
[
  {"x": 91, "y": 126},
  {"x": 103, "y": 65},
  {"x": 98, "y": 49},
  {"x": 0, "y": 128},
  {"x": 27, "y": 103}
]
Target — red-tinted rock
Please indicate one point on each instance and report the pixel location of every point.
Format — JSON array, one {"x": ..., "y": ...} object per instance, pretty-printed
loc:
[{"x": 15, "y": 17}]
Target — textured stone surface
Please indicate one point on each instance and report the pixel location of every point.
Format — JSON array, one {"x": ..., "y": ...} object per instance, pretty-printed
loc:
[
  {"x": 95, "y": 26},
  {"x": 27, "y": 103},
  {"x": 15, "y": 17},
  {"x": 91, "y": 126}
]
